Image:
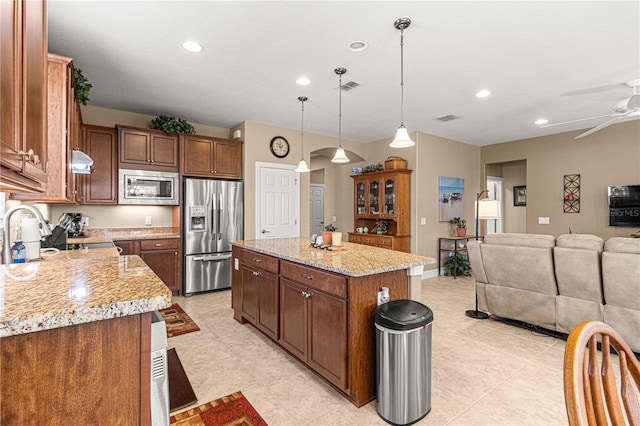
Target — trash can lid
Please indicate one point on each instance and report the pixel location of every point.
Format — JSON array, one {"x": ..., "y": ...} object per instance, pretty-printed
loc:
[{"x": 403, "y": 314}]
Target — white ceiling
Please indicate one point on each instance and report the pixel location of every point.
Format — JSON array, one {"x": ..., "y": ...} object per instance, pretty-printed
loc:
[{"x": 533, "y": 56}]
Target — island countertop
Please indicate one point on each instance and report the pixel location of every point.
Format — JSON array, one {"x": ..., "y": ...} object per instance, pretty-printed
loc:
[
  {"x": 355, "y": 260},
  {"x": 76, "y": 287}
]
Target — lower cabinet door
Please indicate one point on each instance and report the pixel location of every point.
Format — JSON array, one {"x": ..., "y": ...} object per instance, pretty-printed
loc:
[
  {"x": 165, "y": 264},
  {"x": 293, "y": 318},
  {"x": 268, "y": 303},
  {"x": 249, "y": 295},
  {"x": 328, "y": 337}
]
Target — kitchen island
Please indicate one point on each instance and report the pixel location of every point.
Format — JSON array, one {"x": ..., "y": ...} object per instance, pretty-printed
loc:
[
  {"x": 75, "y": 338},
  {"x": 319, "y": 304}
]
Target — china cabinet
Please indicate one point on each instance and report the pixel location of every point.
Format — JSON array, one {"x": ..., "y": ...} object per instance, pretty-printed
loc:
[{"x": 383, "y": 196}]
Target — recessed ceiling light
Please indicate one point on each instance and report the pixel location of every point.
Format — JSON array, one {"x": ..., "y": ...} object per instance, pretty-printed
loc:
[
  {"x": 357, "y": 45},
  {"x": 541, "y": 121},
  {"x": 483, "y": 94},
  {"x": 192, "y": 46},
  {"x": 303, "y": 81}
]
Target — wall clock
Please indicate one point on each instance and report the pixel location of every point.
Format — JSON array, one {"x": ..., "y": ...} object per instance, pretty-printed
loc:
[{"x": 279, "y": 146}]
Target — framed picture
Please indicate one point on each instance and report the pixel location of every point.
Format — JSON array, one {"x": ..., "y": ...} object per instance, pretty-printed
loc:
[
  {"x": 519, "y": 195},
  {"x": 450, "y": 198}
]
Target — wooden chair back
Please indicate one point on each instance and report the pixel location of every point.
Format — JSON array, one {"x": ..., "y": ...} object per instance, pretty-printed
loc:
[{"x": 591, "y": 394}]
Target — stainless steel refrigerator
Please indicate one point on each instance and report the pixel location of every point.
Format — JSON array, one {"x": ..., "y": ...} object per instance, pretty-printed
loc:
[{"x": 213, "y": 217}]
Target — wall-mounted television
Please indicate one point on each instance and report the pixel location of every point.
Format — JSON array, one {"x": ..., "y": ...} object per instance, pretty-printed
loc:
[{"x": 624, "y": 205}]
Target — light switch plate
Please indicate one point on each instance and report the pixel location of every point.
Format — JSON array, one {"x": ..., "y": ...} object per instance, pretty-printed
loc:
[
  {"x": 543, "y": 221},
  {"x": 147, "y": 220}
]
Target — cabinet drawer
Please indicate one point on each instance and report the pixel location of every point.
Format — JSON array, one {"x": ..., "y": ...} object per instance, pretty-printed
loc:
[
  {"x": 370, "y": 240},
  {"x": 311, "y": 277},
  {"x": 355, "y": 238},
  {"x": 147, "y": 245},
  {"x": 259, "y": 260},
  {"x": 386, "y": 242}
]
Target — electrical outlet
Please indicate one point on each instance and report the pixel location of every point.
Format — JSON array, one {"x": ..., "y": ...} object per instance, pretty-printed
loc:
[
  {"x": 334, "y": 218},
  {"x": 423, "y": 221},
  {"x": 147, "y": 220},
  {"x": 84, "y": 221}
]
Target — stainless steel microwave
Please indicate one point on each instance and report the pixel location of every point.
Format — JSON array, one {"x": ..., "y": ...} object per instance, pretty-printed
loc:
[{"x": 147, "y": 187}]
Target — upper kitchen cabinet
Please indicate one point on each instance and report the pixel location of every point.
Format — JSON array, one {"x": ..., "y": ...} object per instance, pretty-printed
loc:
[
  {"x": 64, "y": 120},
  {"x": 101, "y": 186},
  {"x": 23, "y": 96},
  {"x": 146, "y": 149},
  {"x": 210, "y": 157}
]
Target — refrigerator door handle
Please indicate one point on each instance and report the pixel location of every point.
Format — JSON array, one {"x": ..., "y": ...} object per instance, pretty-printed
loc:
[
  {"x": 209, "y": 258},
  {"x": 214, "y": 223},
  {"x": 219, "y": 212}
]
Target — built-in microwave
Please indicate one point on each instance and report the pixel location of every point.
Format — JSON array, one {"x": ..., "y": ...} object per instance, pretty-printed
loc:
[{"x": 147, "y": 187}]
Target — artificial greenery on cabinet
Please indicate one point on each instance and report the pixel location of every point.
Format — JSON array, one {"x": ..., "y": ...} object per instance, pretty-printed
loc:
[
  {"x": 172, "y": 125},
  {"x": 83, "y": 87}
]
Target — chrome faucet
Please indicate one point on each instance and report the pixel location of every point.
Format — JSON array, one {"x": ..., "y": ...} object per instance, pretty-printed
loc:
[{"x": 6, "y": 245}]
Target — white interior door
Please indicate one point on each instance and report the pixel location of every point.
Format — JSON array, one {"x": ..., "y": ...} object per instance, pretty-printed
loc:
[
  {"x": 277, "y": 201},
  {"x": 316, "y": 206},
  {"x": 494, "y": 185}
]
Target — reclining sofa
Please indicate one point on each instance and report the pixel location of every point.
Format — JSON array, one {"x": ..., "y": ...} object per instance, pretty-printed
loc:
[{"x": 558, "y": 283}]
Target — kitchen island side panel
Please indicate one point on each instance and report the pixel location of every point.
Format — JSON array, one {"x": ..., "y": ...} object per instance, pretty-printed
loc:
[{"x": 363, "y": 299}]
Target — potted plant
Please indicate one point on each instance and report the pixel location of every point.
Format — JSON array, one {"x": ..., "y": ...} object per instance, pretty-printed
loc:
[
  {"x": 327, "y": 234},
  {"x": 458, "y": 265},
  {"x": 83, "y": 87},
  {"x": 381, "y": 227},
  {"x": 461, "y": 226}
]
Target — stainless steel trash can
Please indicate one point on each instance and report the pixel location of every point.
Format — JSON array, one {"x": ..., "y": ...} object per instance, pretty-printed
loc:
[{"x": 403, "y": 361}]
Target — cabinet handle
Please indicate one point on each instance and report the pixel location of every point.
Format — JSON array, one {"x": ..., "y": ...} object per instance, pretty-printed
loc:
[
  {"x": 159, "y": 245},
  {"x": 257, "y": 260},
  {"x": 175, "y": 253},
  {"x": 306, "y": 277},
  {"x": 305, "y": 294},
  {"x": 256, "y": 273},
  {"x": 29, "y": 156}
]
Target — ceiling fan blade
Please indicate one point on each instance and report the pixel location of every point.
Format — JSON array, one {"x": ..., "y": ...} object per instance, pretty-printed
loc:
[
  {"x": 578, "y": 120},
  {"x": 602, "y": 126},
  {"x": 596, "y": 89}
]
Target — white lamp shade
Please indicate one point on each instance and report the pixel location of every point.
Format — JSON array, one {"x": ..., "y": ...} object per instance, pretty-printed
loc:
[
  {"x": 488, "y": 209},
  {"x": 302, "y": 167},
  {"x": 402, "y": 139},
  {"x": 340, "y": 156}
]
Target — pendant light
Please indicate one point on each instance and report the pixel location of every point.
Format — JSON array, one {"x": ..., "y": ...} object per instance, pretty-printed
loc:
[
  {"x": 340, "y": 156},
  {"x": 302, "y": 166},
  {"x": 402, "y": 139}
]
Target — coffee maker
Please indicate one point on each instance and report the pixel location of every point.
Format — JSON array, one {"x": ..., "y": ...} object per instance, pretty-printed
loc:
[{"x": 74, "y": 225}]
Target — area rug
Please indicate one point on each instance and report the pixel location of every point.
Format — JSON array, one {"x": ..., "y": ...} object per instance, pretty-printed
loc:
[
  {"x": 230, "y": 410},
  {"x": 178, "y": 321}
]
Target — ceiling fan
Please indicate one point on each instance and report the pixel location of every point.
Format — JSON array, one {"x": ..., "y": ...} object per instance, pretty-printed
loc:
[{"x": 626, "y": 108}]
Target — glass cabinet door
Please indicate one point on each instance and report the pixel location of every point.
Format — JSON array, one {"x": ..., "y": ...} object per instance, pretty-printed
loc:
[
  {"x": 390, "y": 197},
  {"x": 361, "y": 206},
  {"x": 374, "y": 197}
]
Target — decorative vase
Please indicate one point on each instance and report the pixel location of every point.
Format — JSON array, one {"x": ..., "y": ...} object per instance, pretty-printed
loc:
[
  {"x": 326, "y": 237},
  {"x": 380, "y": 232},
  {"x": 461, "y": 232}
]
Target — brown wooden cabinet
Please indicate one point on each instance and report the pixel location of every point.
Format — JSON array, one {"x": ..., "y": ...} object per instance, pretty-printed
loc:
[
  {"x": 383, "y": 196},
  {"x": 210, "y": 157},
  {"x": 163, "y": 256},
  {"x": 64, "y": 120},
  {"x": 313, "y": 319},
  {"x": 260, "y": 292},
  {"x": 23, "y": 96},
  {"x": 92, "y": 373},
  {"x": 146, "y": 149},
  {"x": 101, "y": 186}
]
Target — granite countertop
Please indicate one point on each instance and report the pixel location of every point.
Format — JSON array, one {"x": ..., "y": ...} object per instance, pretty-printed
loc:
[
  {"x": 355, "y": 260},
  {"x": 75, "y": 287},
  {"x": 99, "y": 235}
]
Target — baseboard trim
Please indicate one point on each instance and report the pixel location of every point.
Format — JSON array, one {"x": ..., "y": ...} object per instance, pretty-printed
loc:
[{"x": 431, "y": 273}]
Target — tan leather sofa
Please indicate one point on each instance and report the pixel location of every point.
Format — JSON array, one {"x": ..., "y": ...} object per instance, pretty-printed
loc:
[{"x": 558, "y": 283}]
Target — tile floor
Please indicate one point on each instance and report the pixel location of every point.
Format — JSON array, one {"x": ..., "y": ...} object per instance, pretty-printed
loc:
[{"x": 483, "y": 372}]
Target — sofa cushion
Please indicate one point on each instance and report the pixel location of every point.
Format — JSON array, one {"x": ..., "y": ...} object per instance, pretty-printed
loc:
[
  {"x": 623, "y": 245},
  {"x": 580, "y": 241},
  {"x": 528, "y": 240}
]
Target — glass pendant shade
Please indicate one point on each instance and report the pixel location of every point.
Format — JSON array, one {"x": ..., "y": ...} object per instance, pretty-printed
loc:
[
  {"x": 402, "y": 139},
  {"x": 340, "y": 156},
  {"x": 302, "y": 167}
]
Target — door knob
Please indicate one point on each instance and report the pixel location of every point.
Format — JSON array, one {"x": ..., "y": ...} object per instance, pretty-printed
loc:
[{"x": 264, "y": 231}]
